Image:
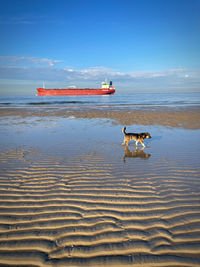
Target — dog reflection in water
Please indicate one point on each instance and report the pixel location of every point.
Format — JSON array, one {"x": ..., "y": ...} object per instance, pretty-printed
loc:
[{"x": 138, "y": 153}]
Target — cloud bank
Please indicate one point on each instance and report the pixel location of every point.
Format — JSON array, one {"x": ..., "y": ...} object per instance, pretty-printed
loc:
[{"x": 48, "y": 70}]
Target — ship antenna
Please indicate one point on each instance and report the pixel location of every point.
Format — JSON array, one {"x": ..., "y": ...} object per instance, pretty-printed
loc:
[{"x": 43, "y": 85}]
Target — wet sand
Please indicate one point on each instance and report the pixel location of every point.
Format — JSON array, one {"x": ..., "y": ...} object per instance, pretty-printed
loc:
[
  {"x": 188, "y": 118},
  {"x": 71, "y": 195}
]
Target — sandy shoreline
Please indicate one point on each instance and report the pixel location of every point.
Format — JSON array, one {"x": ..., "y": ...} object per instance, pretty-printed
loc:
[
  {"x": 70, "y": 196},
  {"x": 187, "y": 118}
]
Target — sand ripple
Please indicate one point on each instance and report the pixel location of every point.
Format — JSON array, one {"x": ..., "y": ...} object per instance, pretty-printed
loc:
[{"x": 90, "y": 213}]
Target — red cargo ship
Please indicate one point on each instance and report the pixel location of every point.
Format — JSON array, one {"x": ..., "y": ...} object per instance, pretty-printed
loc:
[{"x": 106, "y": 88}]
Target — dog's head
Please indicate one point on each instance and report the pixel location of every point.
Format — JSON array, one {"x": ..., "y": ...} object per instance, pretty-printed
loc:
[{"x": 145, "y": 135}]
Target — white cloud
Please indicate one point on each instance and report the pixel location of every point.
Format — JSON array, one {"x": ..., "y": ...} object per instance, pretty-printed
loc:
[
  {"x": 24, "y": 19},
  {"x": 39, "y": 69},
  {"x": 30, "y": 20},
  {"x": 99, "y": 72},
  {"x": 14, "y": 20},
  {"x": 24, "y": 60}
]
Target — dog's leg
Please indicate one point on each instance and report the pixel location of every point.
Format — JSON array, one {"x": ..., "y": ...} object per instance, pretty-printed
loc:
[
  {"x": 123, "y": 142},
  {"x": 127, "y": 141},
  {"x": 142, "y": 143}
]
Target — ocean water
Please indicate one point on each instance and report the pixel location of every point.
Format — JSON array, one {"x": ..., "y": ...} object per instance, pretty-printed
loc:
[{"x": 117, "y": 100}]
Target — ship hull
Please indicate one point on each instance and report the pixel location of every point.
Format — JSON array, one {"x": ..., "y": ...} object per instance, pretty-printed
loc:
[{"x": 68, "y": 91}]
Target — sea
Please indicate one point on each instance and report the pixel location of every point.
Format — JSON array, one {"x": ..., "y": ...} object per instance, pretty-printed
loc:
[{"x": 120, "y": 101}]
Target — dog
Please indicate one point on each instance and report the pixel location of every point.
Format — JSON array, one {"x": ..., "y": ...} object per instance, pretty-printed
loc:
[{"x": 137, "y": 137}]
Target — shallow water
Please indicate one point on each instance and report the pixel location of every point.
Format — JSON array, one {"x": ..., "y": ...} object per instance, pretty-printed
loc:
[
  {"x": 117, "y": 100},
  {"x": 71, "y": 195}
]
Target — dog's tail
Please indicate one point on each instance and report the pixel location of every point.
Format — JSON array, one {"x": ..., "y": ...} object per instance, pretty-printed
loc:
[{"x": 124, "y": 130}]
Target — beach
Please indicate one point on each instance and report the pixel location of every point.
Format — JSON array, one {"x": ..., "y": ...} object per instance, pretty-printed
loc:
[
  {"x": 187, "y": 118},
  {"x": 71, "y": 195}
]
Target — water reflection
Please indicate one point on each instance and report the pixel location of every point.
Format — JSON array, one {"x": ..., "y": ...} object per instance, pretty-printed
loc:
[{"x": 137, "y": 153}]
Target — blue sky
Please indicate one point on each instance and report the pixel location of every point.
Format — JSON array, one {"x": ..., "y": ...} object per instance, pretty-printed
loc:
[{"x": 142, "y": 45}]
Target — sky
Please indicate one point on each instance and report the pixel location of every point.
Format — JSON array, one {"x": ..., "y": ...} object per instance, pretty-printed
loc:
[{"x": 141, "y": 45}]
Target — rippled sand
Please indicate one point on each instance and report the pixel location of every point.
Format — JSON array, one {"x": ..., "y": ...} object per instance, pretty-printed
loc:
[{"x": 96, "y": 203}]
